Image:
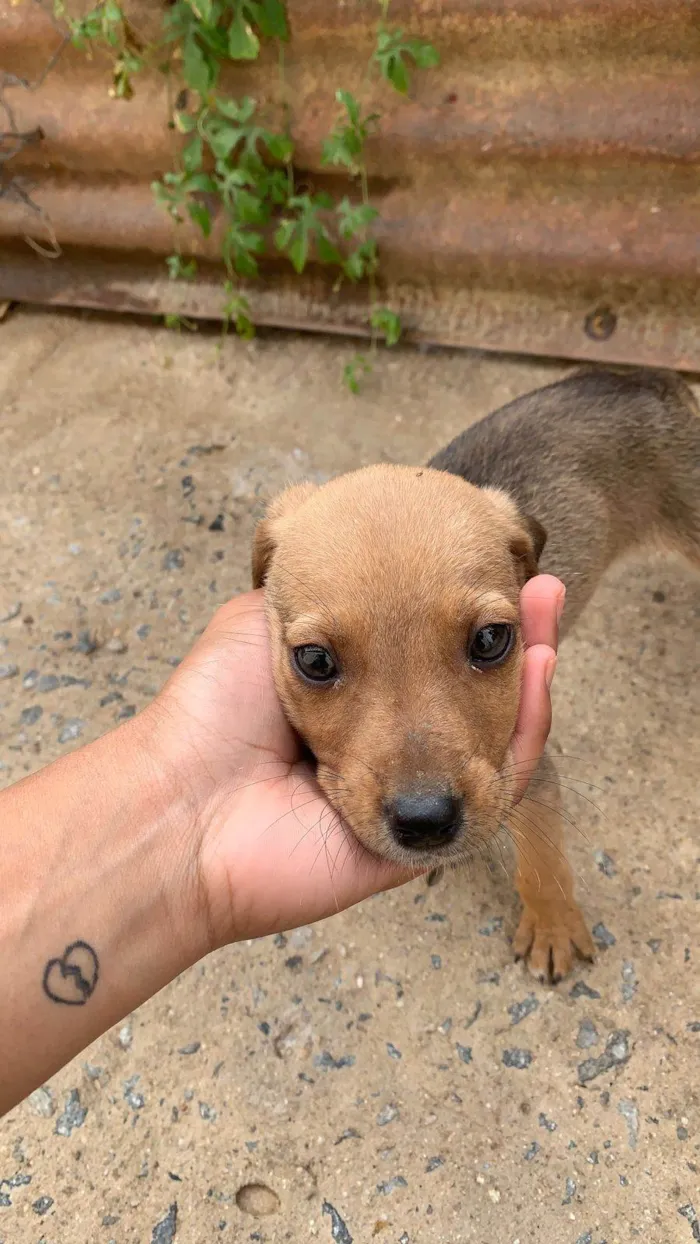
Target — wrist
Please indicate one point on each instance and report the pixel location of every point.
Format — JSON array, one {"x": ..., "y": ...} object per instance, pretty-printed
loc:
[{"x": 101, "y": 901}]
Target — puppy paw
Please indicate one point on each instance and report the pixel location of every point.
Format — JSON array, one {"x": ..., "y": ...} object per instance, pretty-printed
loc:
[{"x": 548, "y": 937}]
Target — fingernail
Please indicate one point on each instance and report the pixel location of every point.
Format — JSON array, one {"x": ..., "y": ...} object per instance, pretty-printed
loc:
[
  {"x": 560, "y": 605},
  {"x": 549, "y": 672}
]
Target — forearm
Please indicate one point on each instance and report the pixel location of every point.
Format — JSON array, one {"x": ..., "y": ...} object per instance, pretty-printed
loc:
[{"x": 97, "y": 851}]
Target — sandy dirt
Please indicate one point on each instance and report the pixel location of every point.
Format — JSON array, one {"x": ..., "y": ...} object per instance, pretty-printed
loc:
[{"x": 390, "y": 1074}]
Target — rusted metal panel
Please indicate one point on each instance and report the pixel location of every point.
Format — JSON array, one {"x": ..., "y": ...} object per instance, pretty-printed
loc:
[{"x": 540, "y": 192}]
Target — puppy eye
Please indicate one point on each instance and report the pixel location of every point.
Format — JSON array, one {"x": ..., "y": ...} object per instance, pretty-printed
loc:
[
  {"x": 491, "y": 645},
  {"x": 315, "y": 663}
]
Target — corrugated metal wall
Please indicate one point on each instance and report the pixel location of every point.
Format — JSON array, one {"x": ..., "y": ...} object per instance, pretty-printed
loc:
[{"x": 539, "y": 192}]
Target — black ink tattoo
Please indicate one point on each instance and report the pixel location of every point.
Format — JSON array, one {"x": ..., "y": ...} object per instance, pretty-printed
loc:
[{"x": 72, "y": 979}]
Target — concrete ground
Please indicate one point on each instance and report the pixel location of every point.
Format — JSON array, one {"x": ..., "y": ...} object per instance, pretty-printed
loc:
[{"x": 391, "y": 1073}]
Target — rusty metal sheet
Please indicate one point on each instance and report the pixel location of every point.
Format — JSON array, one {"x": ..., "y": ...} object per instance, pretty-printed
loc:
[{"x": 539, "y": 193}]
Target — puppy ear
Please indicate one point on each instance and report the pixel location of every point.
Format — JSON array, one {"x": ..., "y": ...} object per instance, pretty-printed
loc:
[
  {"x": 266, "y": 534},
  {"x": 527, "y": 546},
  {"x": 528, "y": 536}
]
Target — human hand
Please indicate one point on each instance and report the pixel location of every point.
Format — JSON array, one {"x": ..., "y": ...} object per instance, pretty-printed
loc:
[{"x": 271, "y": 852}]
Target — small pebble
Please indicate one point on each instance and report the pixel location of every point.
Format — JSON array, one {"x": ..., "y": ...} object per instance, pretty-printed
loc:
[
  {"x": 602, "y": 936},
  {"x": 71, "y": 730},
  {"x": 339, "y": 1230},
  {"x": 125, "y": 1036},
  {"x": 72, "y": 1116},
  {"x": 9, "y": 671},
  {"x": 387, "y": 1115},
  {"x": 43, "y": 1205},
  {"x": 582, "y": 990},
  {"x": 116, "y": 644},
  {"x": 519, "y": 1059},
  {"x": 327, "y": 1062},
  {"x": 6, "y": 615},
  {"x": 494, "y": 925},
  {"x": 392, "y": 1051},
  {"x": 630, "y": 1114},
  {"x": 519, "y": 1011},
  {"x": 587, "y": 1034},
  {"x": 192, "y": 1048},
  {"x": 30, "y": 716},
  {"x": 173, "y": 560},
  {"x": 531, "y": 1151},
  {"x": 165, "y": 1231},
  {"x": 549, "y": 1124},
  {"x": 605, "y": 863},
  {"x": 629, "y": 982},
  {"x": 41, "y": 1102},
  {"x": 48, "y": 682},
  {"x": 464, "y": 1052},
  {"x": 569, "y": 1190},
  {"x": 433, "y": 1164},
  {"x": 86, "y": 643},
  {"x": 137, "y": 1101},
  {"x": 617, "y": 1051},
  {"x": 110, "y": 596},
  {"x": 386, "y": 1188}
]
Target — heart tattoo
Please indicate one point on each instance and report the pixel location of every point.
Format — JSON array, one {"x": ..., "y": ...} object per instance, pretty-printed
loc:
[{"x": 71, "y": 979}]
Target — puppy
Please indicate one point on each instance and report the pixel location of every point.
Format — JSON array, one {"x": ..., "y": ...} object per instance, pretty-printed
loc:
[{"x": 392, "y": 600}]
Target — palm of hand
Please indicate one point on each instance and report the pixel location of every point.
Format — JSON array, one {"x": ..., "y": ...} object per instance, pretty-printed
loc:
[{"x": 274, "y": 852}]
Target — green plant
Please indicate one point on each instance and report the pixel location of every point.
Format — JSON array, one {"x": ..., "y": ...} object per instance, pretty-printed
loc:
[{"x": 236, "y": 165}]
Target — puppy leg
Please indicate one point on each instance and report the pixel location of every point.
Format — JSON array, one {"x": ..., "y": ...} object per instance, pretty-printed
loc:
[{"x": 552, "y": 926}]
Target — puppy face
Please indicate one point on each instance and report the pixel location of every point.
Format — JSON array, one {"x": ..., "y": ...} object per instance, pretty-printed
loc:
[{"x": 392, "y": 597}]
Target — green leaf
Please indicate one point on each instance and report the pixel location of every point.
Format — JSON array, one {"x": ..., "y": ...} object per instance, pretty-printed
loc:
[
  {"x": 201, "y": 217},
  {"x": 204, "y": 10},
  {"x": 192, "y": 155},
  {"x": 298, "y": 251},
  {"x": 350, "y": 104},
  {"x": 327, "y": 252},
  {"x": 200, "y": 183},
  {"x": 197, "y": 69},
  {"x": 354, "y": 218},
  {"x": 243, "y": 43},
  {"x": 357, "y": 367},
  {"x": 279, "y": 146},
  {"x": 284, "y": 234},
  {"x": 240, "y": 110},
  {"x": 251, "y": 208},
  {"x": 181, "y": 270},
  {"x": 390, "y": 54},
  {"x": 184, "y": 123},
  {"x": 272, "y": 19},
  {"x": 361, "y": 261},
  {"x": 387, "y": 323},
  {"x": 397, "y": 74},
  {"x": 224, "y": 139},
  {"x": 424, "y": 54}
]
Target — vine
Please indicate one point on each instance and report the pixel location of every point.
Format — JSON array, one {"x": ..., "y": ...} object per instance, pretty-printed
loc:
[{"x": 242, "y": 161}]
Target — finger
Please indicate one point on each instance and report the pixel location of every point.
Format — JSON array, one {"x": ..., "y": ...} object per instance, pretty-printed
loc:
[
  {"x": 535, "y": 713},
  {"x": 541, "y": 606}
]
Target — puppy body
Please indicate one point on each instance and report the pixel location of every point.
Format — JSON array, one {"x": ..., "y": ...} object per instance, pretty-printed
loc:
[
  {"x": 604, "y": 460},
  {"x": 396, "y": 572}
]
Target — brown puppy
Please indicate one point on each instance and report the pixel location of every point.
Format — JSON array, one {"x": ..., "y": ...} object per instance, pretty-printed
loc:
[{"x": 392, "y": 597}]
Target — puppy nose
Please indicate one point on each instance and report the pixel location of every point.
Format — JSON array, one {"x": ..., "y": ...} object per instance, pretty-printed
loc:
[{"x": 422, "y": 821}]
